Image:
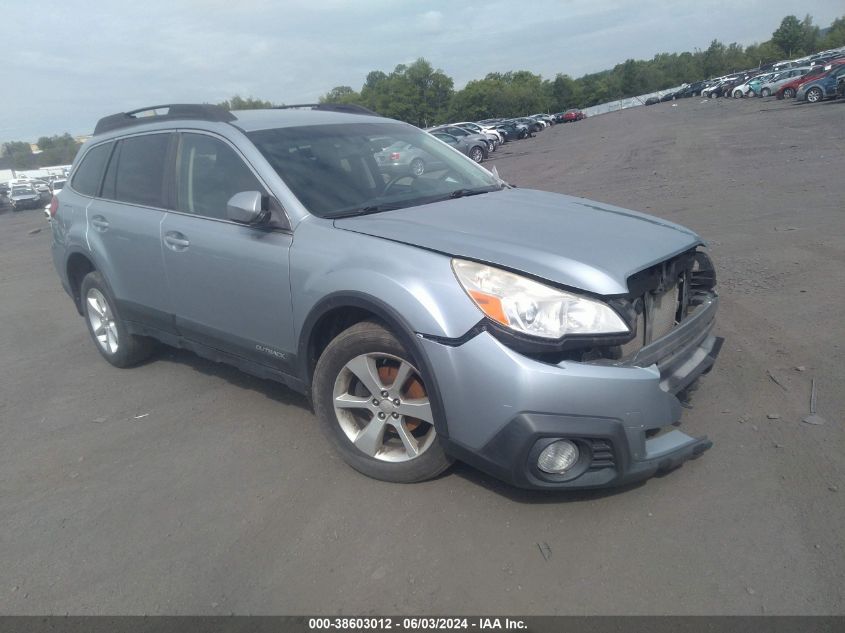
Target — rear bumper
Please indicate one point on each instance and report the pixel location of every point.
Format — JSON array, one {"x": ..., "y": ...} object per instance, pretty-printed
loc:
[{"x": 500, "y": 417}]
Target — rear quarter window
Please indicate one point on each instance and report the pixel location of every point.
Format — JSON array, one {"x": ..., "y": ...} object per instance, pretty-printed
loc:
[
  {"x": 89, "y": 174},
  {"x": 140, "y": 170}
]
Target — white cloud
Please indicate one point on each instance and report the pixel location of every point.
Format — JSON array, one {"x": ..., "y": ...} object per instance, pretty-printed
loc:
[{"x": 431, "y": 20}]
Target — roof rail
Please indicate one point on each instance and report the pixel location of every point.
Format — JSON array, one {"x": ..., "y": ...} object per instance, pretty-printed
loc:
[
  {"x": 348, "y": 108},
  {"x": 196, "y": 111}
]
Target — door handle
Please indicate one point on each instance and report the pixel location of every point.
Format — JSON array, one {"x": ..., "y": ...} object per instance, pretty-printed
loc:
[
  {"x": 99, "y": 223},
  {"x": 176, "y": 241}
]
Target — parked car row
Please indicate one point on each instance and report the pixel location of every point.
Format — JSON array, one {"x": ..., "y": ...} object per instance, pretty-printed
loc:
[
  {"x": 811, "y": 79},
  {"x": 28, "y": 193},
  {"x": 477, "y": 139}
]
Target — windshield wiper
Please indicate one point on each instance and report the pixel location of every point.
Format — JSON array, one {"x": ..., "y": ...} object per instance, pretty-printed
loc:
[
  {"x": 462, "y": 193},
  {"x": 372, "y": 208}
]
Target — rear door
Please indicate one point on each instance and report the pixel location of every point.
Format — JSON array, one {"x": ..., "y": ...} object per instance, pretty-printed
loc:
[
  {"x": 228, "y": 282},
  {"x": 124, "y": 228}
]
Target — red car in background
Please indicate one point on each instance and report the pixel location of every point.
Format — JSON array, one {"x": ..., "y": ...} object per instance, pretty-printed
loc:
[
  {"x": 788, "y": 90},
  {"x": 573, "y": 115}
]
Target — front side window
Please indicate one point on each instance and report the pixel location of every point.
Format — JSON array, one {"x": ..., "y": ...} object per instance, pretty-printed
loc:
[
  {"x": 139, "y": 171},
  {"x": 209, "y": 173},
  {"x": 346, "y": 169},
  {"x": 89, "y": 174}
]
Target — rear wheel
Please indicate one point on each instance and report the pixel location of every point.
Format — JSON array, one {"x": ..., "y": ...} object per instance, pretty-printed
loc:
[
  {"x": 113, "y": 340},
  {"x": 814, "y": 95},
  {"x": 765, "y": 92},
  {"x": 417, "y": 167},
  {"x": 476, "y": 154},
  {"x": 373, "y": 404},
  {"x": 788, "y": 93}
]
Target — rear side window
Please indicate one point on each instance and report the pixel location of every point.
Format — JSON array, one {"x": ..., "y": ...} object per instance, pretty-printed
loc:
[
  {"x": 89, "y": 175},
  {"x": 210, "y": 173},
  {"x": 140, "y": 169}
]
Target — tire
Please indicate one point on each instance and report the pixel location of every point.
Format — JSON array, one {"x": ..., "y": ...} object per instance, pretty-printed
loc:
[
  {"x": 712, "y": 95},
  {"x": 789, "y": 93},
  {"x": 386, "y": 452},
  {"x": 737, "y": 94},
  {"x": 417, "y": 167},
  {"x": 113, "y": 341},
  {"x": 814, "y": 95},
  {"x": 476, "y": 154},
  {"x": 765, "y": 92}
]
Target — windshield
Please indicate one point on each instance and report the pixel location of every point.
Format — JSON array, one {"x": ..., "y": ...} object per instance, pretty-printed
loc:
[{"x": 347, "y": 169}]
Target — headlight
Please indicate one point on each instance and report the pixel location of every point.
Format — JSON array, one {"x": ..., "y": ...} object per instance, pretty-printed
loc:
[{"x": 529, "y": 307}]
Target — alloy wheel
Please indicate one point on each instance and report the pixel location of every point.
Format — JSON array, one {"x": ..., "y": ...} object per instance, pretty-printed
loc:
[
  {"x": 102, "y": 321},
  {"x": 382, "y": 407},
  {"x": 814, "y": 95}
]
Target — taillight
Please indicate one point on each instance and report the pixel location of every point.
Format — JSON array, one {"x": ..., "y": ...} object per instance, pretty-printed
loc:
[
  {"x": 54, "y": 206},
  {"x": 395, "y": 156}
]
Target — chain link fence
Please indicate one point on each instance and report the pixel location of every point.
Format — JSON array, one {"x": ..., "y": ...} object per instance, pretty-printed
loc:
[{"x": 622, "y": 104}]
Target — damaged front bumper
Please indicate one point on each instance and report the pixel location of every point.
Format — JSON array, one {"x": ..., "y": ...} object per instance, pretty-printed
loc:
[{"x": 504, "y": 407}]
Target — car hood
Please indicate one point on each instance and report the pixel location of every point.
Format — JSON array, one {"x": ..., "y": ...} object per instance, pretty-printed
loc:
[{"x": 570, "y": 241}]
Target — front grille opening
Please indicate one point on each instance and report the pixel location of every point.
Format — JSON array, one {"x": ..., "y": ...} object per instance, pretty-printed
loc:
[{"x": 602, "y": 451}]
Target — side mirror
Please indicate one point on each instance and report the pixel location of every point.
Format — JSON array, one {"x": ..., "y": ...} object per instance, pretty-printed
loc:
[{"x": 245, "y": 207}]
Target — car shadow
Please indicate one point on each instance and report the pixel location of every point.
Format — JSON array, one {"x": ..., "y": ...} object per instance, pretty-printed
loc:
[
  {"x": 284, "y": 395},
  {"x": 270, "y": 389}
]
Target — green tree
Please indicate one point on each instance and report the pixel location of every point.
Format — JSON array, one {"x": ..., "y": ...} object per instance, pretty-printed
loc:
[
  {"x": 789, "y": 36},
  {"x": 56, "y": 150},
  {"x": 835, "y": 36},
  {"x": 566, "y": 93},
  {"x": 239, "y": 103},
  {"x": 809, "y": 34},
  {"x": 341, "y": 94},
  {"x": 20, "y": 155}
]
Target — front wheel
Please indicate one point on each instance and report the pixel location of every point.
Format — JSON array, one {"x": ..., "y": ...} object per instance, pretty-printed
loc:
[
  {"x": 814, "y": 95},
  {"x": 373, "y": 404},
  {"x": 113, "y": 340}
]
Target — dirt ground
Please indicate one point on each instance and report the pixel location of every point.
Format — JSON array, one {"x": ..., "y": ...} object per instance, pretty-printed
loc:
[{"x": 184, "y": 487}]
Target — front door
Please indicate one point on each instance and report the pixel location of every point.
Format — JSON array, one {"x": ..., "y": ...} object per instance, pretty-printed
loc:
[{"x": 228, "y": 282}]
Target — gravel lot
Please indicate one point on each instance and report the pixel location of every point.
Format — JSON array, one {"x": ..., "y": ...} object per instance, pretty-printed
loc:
[{"x": 185, "y": 487}]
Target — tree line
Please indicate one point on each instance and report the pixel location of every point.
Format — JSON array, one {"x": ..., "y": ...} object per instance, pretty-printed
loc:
[
  {"x": 55, "y": 150},
  {"x": 423, "y": 95}
]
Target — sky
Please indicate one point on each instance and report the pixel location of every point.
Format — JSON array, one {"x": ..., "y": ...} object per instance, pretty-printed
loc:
[{"x": 66, "y": 63}]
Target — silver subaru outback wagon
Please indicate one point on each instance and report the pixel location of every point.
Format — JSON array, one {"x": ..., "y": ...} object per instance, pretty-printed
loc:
[{"x": 430, "y": 314}]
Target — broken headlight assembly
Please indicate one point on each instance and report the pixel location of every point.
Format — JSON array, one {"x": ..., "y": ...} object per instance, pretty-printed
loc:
[{"x": 527, "y": 307}]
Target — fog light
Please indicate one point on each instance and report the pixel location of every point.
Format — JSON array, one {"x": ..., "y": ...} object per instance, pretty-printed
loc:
[{"x": 558, "y": 457}]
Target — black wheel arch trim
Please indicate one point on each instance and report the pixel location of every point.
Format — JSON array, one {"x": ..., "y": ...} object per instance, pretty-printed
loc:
[
  {"x": 75, "y": 250},
  {"x": 397, "y": 325}
]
